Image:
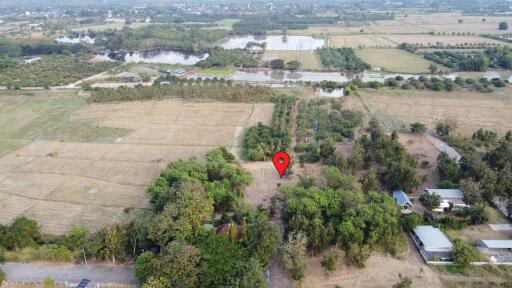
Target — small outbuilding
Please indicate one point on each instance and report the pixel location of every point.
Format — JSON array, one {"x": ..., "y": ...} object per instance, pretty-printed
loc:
[
  {"x": 402, "y": 200},
  {"x": 494, "y": 246},
  {"x": 432, "y": 244}
]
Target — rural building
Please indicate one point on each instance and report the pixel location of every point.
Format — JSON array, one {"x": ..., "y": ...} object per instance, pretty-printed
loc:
[
  {"x": 432, "y": 244},
  {"x": 30, "y": 60},
  {"x": 498, "y": 250},
  {"x": 402, "y": 200},
  {"x": 449, "y": 197}
]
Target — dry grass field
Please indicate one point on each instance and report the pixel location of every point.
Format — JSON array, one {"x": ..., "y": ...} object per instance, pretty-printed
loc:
[
  {"x": 63, "y": 180},
  {"x": 396, "y": 109},
  {"x": 365, "y": 40},
  {"x": 394, "y": 60},
  {"x": 309, "y": 59}
]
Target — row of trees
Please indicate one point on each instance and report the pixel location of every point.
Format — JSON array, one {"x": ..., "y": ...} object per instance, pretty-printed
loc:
[
  {"x": 206, "y": 90},
  {"x": 262, "y": 141}
]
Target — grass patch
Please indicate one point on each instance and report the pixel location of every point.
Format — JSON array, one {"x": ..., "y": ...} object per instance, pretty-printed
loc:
[
  {"x": 222, "y": 72},
  {"x": 395, "y": 60},
  {"x": 227, "y": 23}
]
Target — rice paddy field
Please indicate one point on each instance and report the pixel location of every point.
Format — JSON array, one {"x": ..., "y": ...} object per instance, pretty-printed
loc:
[
  {"x": 66, "y": 163},
  {"x": 396, "y": 109},
  {"x": 394, "y": 60},
  {"x": 309, "y": 59}
]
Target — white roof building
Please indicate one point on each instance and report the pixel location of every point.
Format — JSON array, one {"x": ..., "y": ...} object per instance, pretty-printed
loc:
[
  {"x": 453, "y": 197},
  {"x": 432, "y": 243}
]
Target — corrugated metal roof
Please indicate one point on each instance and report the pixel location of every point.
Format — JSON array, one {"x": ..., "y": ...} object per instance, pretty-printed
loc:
[
  {"x": 495, "y": 244},
  {"x": 446, "y": 193},
  {"x": 400, "y": 197},
  {"x": 432, "y": 238}
]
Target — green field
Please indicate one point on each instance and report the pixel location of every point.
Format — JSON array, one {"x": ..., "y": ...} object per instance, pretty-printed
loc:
[
  {"x": 46, "y": 115},
  {"x": 107, "y": 26},
  {"x": 213, "y": 72},
  {"x": 226, "y": 23},
  {"x": 394, "y": 60}
]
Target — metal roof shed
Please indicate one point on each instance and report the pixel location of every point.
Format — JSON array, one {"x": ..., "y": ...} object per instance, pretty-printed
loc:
[
  {"x": 495, "y": 244},
  {"x": 401, "y": 198},
  {"x": 432, "y": 239},
  {"x": 446, "y": 193}
]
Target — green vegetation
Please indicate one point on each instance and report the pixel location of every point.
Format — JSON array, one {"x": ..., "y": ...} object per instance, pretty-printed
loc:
[
  {"x": 341, "y": 59},
  {"x": 261, "y": 141},
  {"x": 52, "y": 70},
  {"x": 459, "y": 61},
  {"x": 160, "y": 36},
  {"x": 222, "y": 72},
  {"x": 226, "y": 23},
  {"x": 229, "y": 58},
  {"x": 210, "y": 90},
  {"x": 260, "y": 24},
  {"x": 318, "y": 127}
]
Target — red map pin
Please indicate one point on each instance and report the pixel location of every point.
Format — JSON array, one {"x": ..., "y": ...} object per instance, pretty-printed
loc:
[{"x": 281, "y": 161}]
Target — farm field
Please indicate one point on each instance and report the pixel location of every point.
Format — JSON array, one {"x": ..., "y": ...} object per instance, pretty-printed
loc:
[
  {"x": 68, "y": 163},
  {"x": 111, "y": 25},
  {"x": 221, "y": 72},
  {"x": 396, "y": 109},
  {"x": 394, "y": 60},
  {"x": 309, "y": 59},
  {"x": 365, "y": 40},
  {"x": 226, "y": 23}
]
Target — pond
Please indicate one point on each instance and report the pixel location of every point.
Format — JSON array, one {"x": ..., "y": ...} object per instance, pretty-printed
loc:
[
  {"x": 75, "y": 39},
  {"x": 276, "y": 42},
  {"x": 281, "y": 76},
  {"x": 160, "y": 56},
  {"x": 331, "y": 93}
]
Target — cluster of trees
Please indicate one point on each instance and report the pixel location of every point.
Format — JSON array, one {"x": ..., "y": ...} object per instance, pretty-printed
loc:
[
  {"x": 225, "y": 58},
  {"x": 398, "y": 167},
  {"x": 319, "y": 127},
  {"x": 160, "y": 36},
  {"x": 341, "y": 59},
  {"x": 470, "y": 61},
  {"x": 195, "y": 250},
  {"x": 10, "y": 48},
  {"x": 51, "y": 70},
  {"x": 260, "y": 24},
  {"x": 321, "y": 218},
  {"x": 193, "y": 89},
  {"x": 483, "y": 85},
  {"x": 473, "y": 61},
  {"x": 262, "y": 141},
  {"x": 290, "y": 65}
]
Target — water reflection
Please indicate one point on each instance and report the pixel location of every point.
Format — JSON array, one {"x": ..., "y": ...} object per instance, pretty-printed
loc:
[
  {"x": 276, "y": 42},
  {"x": 75, "y": 39},
  {"x": 160, "y": 56}
]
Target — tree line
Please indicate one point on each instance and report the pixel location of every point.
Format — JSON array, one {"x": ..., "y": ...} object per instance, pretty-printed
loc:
[
  {"x": 261, "y": 141},
  {"x": 341, "y": 59}
]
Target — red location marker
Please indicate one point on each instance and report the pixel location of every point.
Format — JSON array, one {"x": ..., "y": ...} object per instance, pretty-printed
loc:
[{"x": 281, "y": 161}]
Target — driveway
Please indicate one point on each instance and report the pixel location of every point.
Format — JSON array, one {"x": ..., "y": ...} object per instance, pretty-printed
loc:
[{"x": 69, "y": 273}]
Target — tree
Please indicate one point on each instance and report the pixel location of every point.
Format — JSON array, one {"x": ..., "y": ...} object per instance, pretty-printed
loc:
[
  {"x": 294, "y": 255},
  {"x": 22, "y": 233},
  {"x": 249, "y": 275},
  {"x": 335, "y": 179},
  {"x": 330, "y": 259},
  {"x": 431, "y": 201},
  {"x": 370, "y": 181},
  {"x": 114, "y": 243},
  {"x": 445, "y": 127},
  {"x": 418, "y": 128},
  {"x": 402, "y": 175},
  {"x": 411, "y": 221},
  {"x": 503, "y": 26},
  {"x": 277, "y": 64},
  {"x": 327, "y": 148},
  {"x": 178, "y": 263},
  {"x": 471, "y": 189},
  {"x": 460, "y": 21},
  {"x": 433, "y": 68},
  {"x": 293, "y": 65},
  {"x": 154, "y": 282},
  {"x": 405, "y": 282},
  {"x": 144, "y": 266},
  {"x": 462, "y": 254},
  {"x": 478, "y": 214},
  {"x": 2, "y": 276},
  {"x": 447, "y": 168},
  {"x": 75, "y": 240},
  {"x": 183, "y": 219}
]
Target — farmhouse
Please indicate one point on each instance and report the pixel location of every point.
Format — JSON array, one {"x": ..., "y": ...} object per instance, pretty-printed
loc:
[
  {"x": 498, "y": 250},
  {"x": 402, "y": 200},
  {"x": 432, "y": 243},
  {"x": 449, "y": 197}
]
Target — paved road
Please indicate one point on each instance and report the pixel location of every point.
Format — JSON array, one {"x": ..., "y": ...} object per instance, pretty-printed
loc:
[{"x": 69, "y": 273}]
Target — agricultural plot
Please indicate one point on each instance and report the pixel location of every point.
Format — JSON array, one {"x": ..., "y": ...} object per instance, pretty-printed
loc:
[
  {"x": 355, "y": 41},
  {"x": 394, "y": 60},
  {"x": 101, "y": 180},
  {"x": 309, "y": 59},
  {"x": 396, "y": 109}
]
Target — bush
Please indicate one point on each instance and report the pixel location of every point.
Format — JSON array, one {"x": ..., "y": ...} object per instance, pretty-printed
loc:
[
  {"x": 2, "y": 276},
  {"x": 48, "y": 283}
]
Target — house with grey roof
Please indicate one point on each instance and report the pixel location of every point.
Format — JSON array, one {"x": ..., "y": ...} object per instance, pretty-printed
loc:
[
  {"x": 449, "y": 197},
  {"x": 402, "y": 200},
  {"x": 432, "y": 244}
]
